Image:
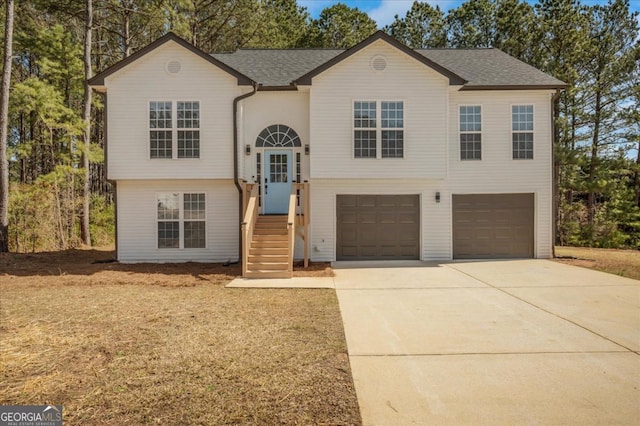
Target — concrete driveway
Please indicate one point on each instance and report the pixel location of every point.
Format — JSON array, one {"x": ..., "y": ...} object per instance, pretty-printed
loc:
[{"x": 498, "y": 342}]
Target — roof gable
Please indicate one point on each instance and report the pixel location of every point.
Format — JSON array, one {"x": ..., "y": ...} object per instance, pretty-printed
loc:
[
  {"x": 454, "y": 79},
  {"x": 98, "y": 80}
]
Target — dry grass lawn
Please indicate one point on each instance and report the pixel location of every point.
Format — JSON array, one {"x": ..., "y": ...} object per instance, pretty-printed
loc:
[
  {"x": 620, "y": 262},
  {"x": 168, "y": 344}
]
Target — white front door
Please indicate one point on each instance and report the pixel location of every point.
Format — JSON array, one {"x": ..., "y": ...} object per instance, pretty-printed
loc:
[{"x": 277, "y": 181}]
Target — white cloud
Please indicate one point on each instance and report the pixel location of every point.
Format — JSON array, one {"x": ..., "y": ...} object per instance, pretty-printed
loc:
[{"x": 386, "y": 11}]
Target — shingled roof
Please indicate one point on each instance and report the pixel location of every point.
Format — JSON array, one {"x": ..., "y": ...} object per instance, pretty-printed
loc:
[
  {"x": 481, "y": 68},
  {"x": 474, "y": 69},
  {"x": 276, "y": 67},
  {"x": 491, "y": 69}
]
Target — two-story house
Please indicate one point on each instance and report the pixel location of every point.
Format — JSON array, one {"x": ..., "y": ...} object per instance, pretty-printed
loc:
[{"x": 374, "y": 152}]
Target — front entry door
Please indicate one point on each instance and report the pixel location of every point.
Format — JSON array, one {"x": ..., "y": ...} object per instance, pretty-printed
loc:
[{"x": 277, "y": 181}]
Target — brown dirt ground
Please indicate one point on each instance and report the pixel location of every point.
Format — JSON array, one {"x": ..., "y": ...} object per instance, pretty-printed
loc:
[
  {"x": 168, "y": 344},
  {"x": 625, "y": 263}
]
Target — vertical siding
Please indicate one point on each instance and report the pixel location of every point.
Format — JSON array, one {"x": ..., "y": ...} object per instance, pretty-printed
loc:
[
  {"x": 497, "y": 172},
  {"x": 137, "y": 225},
  {"x": 130, "y": 90},
  {"x": 424, "y": 93}
]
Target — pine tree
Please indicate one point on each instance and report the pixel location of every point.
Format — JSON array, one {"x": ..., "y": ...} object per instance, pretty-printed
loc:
[
  {"x": 4, "y": 123},
  {"x": 340, "y": 26},
  {"x": 423, "y": 26}
]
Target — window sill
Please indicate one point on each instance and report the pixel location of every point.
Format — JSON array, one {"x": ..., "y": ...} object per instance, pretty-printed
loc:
[
  {"x": 381, "y": 158},
  {"x": 187, "y": 158}
]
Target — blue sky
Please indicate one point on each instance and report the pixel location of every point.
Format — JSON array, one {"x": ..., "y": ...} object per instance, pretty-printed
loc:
[{"x": 383, "y": 11}]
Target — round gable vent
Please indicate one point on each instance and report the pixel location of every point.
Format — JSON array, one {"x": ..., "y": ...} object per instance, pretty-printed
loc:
[
  {"x": 173, "y": 67},
  {"x": 379, "y": 63}
]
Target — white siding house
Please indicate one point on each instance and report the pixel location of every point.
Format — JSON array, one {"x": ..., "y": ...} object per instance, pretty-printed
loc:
[{"x": 408, "y": 154}]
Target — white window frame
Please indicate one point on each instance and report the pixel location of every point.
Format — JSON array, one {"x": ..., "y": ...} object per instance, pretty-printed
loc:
[
  {"x": 532, "y": 131},
  {"x": 378, "y": 129},
  {"x": 174, "y": 129},
  {"x": 181, "y": 220},
  {"x": 166, "y": 129},
  {"x": 469, "y": 132}
]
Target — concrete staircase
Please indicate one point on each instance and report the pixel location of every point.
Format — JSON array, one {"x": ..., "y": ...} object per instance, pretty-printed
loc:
[{"x": 268, "y": 256}]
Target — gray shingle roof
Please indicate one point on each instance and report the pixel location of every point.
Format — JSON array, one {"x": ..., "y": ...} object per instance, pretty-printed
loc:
[
  {"x": 482, "y": 68},
  {"x": 489, "y": 68},
  {"x": 276, "y": 67}
]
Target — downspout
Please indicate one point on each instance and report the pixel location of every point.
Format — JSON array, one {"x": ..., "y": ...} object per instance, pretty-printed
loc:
[
  {"x": 554, "y": 173},
  {"x": 236, "y": 162}
]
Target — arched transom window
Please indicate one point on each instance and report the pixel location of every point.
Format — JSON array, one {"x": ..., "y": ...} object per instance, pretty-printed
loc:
[{"x": 279, "y": 136}]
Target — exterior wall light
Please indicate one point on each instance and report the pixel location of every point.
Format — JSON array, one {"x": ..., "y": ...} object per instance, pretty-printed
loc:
[
  {"x": 438, "y": 197},
  {"x": 306, "y": 149},
  {"x": 247, "y": 149}
]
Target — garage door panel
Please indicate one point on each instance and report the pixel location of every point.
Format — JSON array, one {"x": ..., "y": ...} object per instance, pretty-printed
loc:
[
  {"x": 348, "y": 250},
  {"x": 349, "y": 237},
  {"x": 349, "y": 217},
  {"x": 347, "y": 201},
  {"x": 407, "y": 235},
  {"x": 406, "y": 218},
  {"x": 388, "y": 217},
  {"x": 385, "y": 227},
  {"x": 388, "y": 251},
  {"x": 493, "y": 226},
  {"x": 367, "y": 234},
  {"x": 368, "y": 251},
  {"x": 407, "y": 251},
  {"x": 366, "y": 217},
  {"x": 386, "y": 202},
  {"x": 366, "y": 200},
  {"x": 411, "y": 201}
]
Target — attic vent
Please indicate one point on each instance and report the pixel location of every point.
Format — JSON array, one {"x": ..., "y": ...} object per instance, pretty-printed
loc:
[
  {"x": 379, "y": 63},
  {"x": 173, "y": 67}
]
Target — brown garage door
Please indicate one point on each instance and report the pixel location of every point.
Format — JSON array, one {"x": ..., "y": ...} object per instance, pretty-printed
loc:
[
  {"x": 378, "y": 227},
  {"x": 492, "y": 226}
]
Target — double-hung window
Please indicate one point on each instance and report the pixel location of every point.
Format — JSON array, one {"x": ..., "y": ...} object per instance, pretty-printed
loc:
[
  {"x": 174, "y": 121},
  {"x": 365, "y": 129},
  {"x": 392, "y": 129},
  {"x": 522, "y": 131},
  {"x": 160, "y": 129},
  {"x": 471, "y": 132},
  {"x": 378, "y": 129},
  {"x": 181, "y": 220}
]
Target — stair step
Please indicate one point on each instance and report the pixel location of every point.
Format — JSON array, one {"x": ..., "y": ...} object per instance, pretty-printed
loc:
[
  {"x": 267, "y": 266},
  {"x": 267, "y": 274},
  {"x": 270, "y": 231},
  {"x": 270, "y": 244},
  {"x": 260, "y": 258},
  {"x": 270, "y": 225},
  {"x": 272, "y": 218},
  {"x": 270, "y": 237},
  {"x": 268, "y": 251}
]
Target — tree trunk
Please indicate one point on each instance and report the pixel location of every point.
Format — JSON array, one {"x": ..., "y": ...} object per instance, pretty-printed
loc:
[
  {"x": 591, "y": 197},
  {"x": 86, "y": 116},
  {"x": 126, "y": 29},
  {"x": 636, "y": 177},
  {"x": 556, "y": 169},
  {"x": 4, "y": 126},
  {"x": 23, "y": 160}
]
